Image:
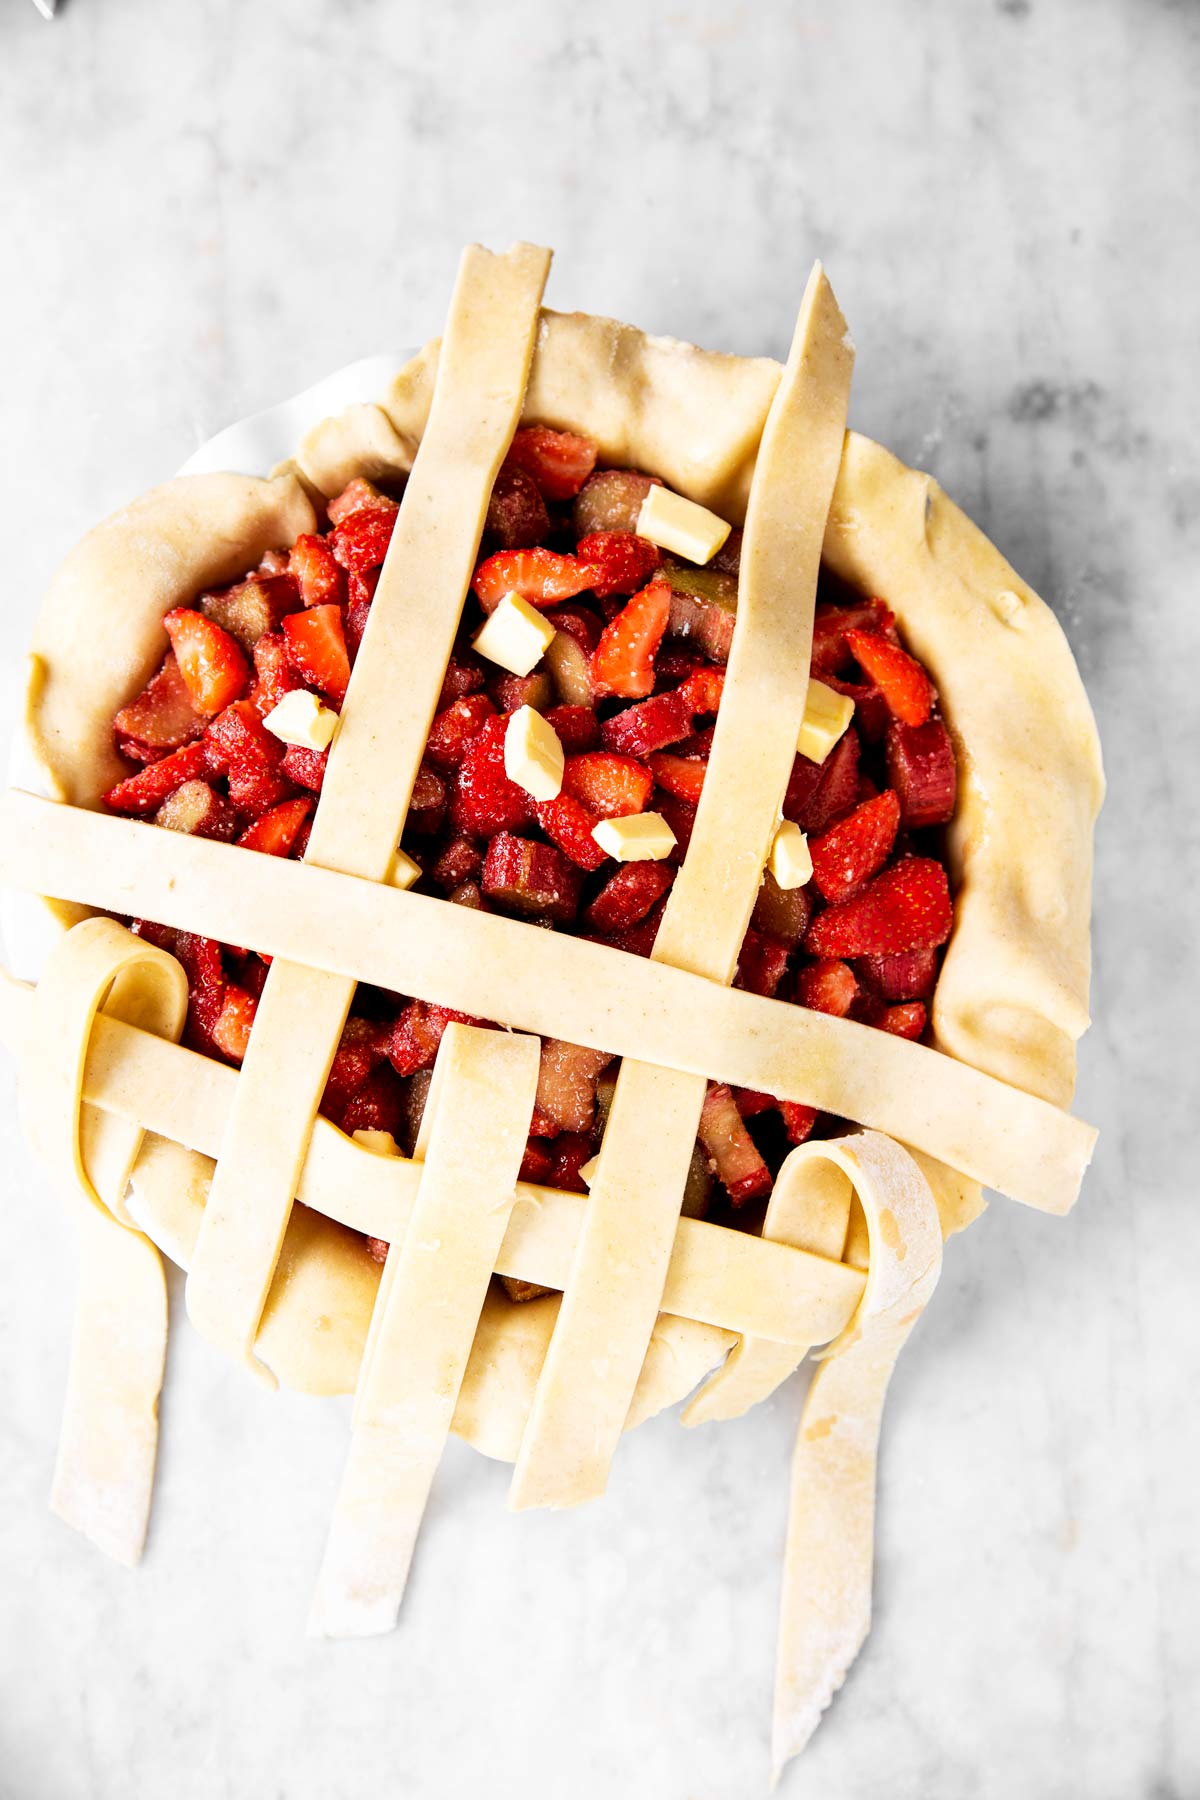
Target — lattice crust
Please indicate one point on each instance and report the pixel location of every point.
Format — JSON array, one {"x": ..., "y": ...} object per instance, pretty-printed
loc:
[{"x": 651, "y": 1301}]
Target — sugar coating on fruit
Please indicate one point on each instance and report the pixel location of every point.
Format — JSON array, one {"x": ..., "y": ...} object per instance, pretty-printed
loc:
[
  {"x": 790, "y": 862},
  {"x": 379, "y": 1143},
  {"x": 642, "y": 837},
  {"x": 533, "y": 755},
  {"x": 402, "y": 870},
  {"x": 515, "y": 636},
  {"x": 681, "y": 526},
  {"x": 826, "y": 716},
  {"x": 300, "y": 718}
]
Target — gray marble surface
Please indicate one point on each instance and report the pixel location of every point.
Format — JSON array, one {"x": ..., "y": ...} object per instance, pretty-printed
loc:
[{"x": 204, "y": 207}]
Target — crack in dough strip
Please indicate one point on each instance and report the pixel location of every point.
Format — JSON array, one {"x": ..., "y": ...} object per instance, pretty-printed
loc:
[
  {"x": 556, "y": 986},
  {"x": 426, "y": 1315},
  {"x": 374, "y": 761},
  {"x": 104, "y": 1471},
  {"x": 719, "y": 1277},
  {"x": 615, "y": 1288},
  {"x": 826, "y": 1605}
]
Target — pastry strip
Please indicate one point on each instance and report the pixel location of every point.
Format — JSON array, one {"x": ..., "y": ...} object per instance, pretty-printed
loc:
[
  {"x": 613, "y": 1295},
  {"x": 372, "y": 766},
  {"x": 826, "y": 1606},
  {"x": 426, "y": 1315},
  {"x": 556, "y": 986},
  {"x": 104, "y": 1472}
]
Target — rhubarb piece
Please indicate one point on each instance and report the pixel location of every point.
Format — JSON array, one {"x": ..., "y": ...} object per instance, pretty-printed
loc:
[
  {"x": 317, "y": 572},
  {"x": 459, "y": 862},
  {"x": 360, "y": 592},
  {"x": 541, "y": 576},
  {"x": 906, "y": 908},
  {"x": 568, "y": 823},
  {"x": 305, "y": 767},
  {"x": 566, "y": 1089},
  {"x": 798, "y": 1120},
  {"x": 650, "y": 725},
  {"x": 275, "y": 677},
  {"x": 681, "y": 817},
  {"x": 359, "y": 495},
  {"x": 750, "y": 1103},
  {"x": 628, "y": 895},
  {"x": 846, "y": 856},
  {"x": 558, "y": 461},
  {"x": 831, "y": 652},
  {"x": 454, "y": 728},
  {"x": 198, "y": 811},
  {"x": 819, "y": 793},
  {"x": 907, "y": 977},
  {"x": 624, "y": 562},
  {"x": 378, "y": 1105},
  {"x": 922, "y": 769},
  {"x": 465, "y": 674},
  {"x": 827, "y": 986},
  {"x": 901, "y": 679},
  {"x": 252, "y": 607},
  {"x": 360, "y": 540},
  {"x": 316, "y": 647},
  {"x": 782, "y": 912},
  {"x": 231, "y": 1028},
  {"x": 214, "y": 671},
  {"x": 610, "y": 500},
  {"x": 142, "y": 794},
  {"x": 907, "y": 1021},
  {"x": 426, "y": 809},
  {"x": 697, "y": 1186},
  {"x": 418, "y": 1032},
  {"x": 161, "y": 936},
  {"x": 530, "y": 879},
  {"x": 577, "y": 727},
  {"x": 362, "y": 1047},
  {"x": 201, "y": 959},
  {"x": 516, "y": 515},
  {"x": 611, "y": 786},
  {"x": 762, "y": 963},
  {"x": 872, "y": 715},
  {"x": 509, "y": 693},
  {"x": 570, "y": 667},
  {"x": 484, "y": 800},
  {"x": 732, "y": 1152},
  {"x": 571, "y": 1152},
  {"x": 703, "y": 610},
  {"x": 623, "y": 663},
  {"x": 679, "y": 775},
  {"x": 535, "y": 1166},
  {"x": 275, "y": 832}
]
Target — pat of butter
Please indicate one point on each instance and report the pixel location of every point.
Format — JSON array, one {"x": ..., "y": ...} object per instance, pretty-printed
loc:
[
  {"x": 826, "y": 716},
  {"x": 515, "y": 636},
  {"x": 790, "y": 862},
  {"x": 533, "y": 755},
  {"x": 681, "y": 526},
  {"x": 587, "y": 1170},
  {"x": 379, "y": 1143},
  {"x": 402, "y": 870},
  {"x": 641, "y": 837},
  {"x": 301, "y": 719}
]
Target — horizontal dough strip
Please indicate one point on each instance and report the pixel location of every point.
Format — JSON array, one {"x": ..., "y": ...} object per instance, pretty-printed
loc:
[
  {"x": 720, "y": 1277},
  {"x": 554, "y": 985}
]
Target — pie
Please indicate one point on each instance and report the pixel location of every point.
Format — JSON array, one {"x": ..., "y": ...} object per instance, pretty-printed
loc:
[{"x": 673, "y": 826}]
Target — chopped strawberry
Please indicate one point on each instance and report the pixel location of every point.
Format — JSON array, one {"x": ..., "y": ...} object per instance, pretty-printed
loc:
[
  {"x": 907, "y": 1021},
  {"x": 464, "y": 675},
  {"x": 762, "y": 963},
  {"x": 533, "y": 880},
  {"x": 231, "y": 1028},
  {"x": 418, "y": 1032},
  {"x": 624, "y": 660},
  {"x": 906, "y": 908},
  {"x": 201, "y": 959},
  {"x": 251, "y": 607},
  {"x": 612, "y": 786},
  {"x": 703, "y": 689},
  {"x": 274, "y": 672},
  {"x": 362, "y": 1047},
  {"x": 197, "y": 810},
  {"x": 625, "y": 561},
  {"x": 571, "y": 1150},
  {"x": 360, "y": 541},
  {"x": 238, "y": 745},
  {"x": 358, "y": 495},
  {"x": 576, "y": 727},
  {"x": 910, "y": 976},
  {"x": 540, "y": 576},
  {"x": 460, "y": 861},
  {"x": 675, "y": 662},
  {"x": 316, "y": 646},
  {"x": 627, "y": 896},
  {"x": 213, "y": 668},
  {"x": 782, "y": 912},
  {"x": 904, "y": 684},
  {"x": 636, "y": 940},
  {"x": 921, "y": 768},
  {"x": 453, "y": 729},
  {"x": 469, "y": 894},
  {"x": 305, "y": 767},
  {"x": 831, "y": 653},
  {"x": 827, "y": 986},
  {"x": 732, "y": 1152},
  {"x": 516, "y": 515},
  {"x": 819, "y": 793},
  {"x": 650, "y": 725},
  {"x": 144, "y": 793},
  {"x": 360, "y": 590},
  {"x": 679, "y": 775},
  {"x": 161, "y": 936},
  {"x": 849, "y": 853},
  {"x": 610, "y": 500},
  {"x": 484, "y": 799},
  {"x": 566, "y": 1089},
  {"x": 427, "y": 804},
  {"x": 275, "y": 832},
  {"x": 378, "y": 1105},
  {"x": 511, "y": 692},
  {"x": 681, "y": 817},
  {"x": 569, "y": 824},
  {"x": 798, "y": 1120},
  {"x": 536, "y": 1165},
  {"x": 318, "y": 573},
  {"x": 750, "y": 1103},
  {"x": 559, "y": 461}
]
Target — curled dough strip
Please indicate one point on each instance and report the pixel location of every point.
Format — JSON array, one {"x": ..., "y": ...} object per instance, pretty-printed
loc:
[
  {"x": 826, "y": 1606},
  {"x": 104, "y": 1475}
]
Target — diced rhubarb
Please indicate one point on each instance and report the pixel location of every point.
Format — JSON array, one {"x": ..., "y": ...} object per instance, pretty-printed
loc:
[
  {"x": 922, "y": 769},
  {"x": 872, "y": 715},
  {"x": 231, "y": 1028},
  {"x": 428, "y": 803},
  {"x": 359, "y": 495},
  {"x": 143, "y": 793},
  {"x": 362, "y": 1047},
  {"x": 627, "y": 896},
  {"x": 215, "y": 673},
  {"x": 783, "y": 912},
  {"x": 566, "y": 1089},
  {"x": 318, "y": 574},
  {"x": 274, "y": 673},
  {"x": 418, "y": 1032},
  {"x": 732, "y": 1152},
  {"x": 624, "y": 561},
  {"x": 703, "y": 689},
  {"x": 534, "y": 880},
  {"x": 360, "y": 541},
  {"x": 570, "y": 667},
  {"x": 460, "y": 861},
  {"x": 910, "y": 976},
  {"x": 316, "y": 646},
  {"x": 571, "y": 1149},
  {"x": 558, "y": 461},
  {"x": 576, "y": 727},
  {"x": 162, "y": 716},
  {"x": 703, "y": 610},
  {"x": 682, "y": 776},
  {"x": 516, "y": 515},
  {"x": 681, "y": 817},
  {"x": 511, "y": 692},
  {"x": 819, "y": 793},
  {"x": 762, "y": 963},
  {"x": 464, "y": 675},
  {"x": 568, "y": 823},
  {"x": 650, "y": 725},
  {"x": 484, "y": 800},
  {"x": 305, "y": 767},
  {"x": 252, "y": 607},
  {"x": 798, "y": 1120},
  {"x": 540, "y": 576},
  {"x": 275, "y": 832},
  {"x": 197, "y": 810},
  {"x": 453, "y": 729},
  {"x": 623, "y": 663},
  {"x": 851, "y": 852},
  {"x": 907, "y": 1021},
  {"x": 470, "y": 895},
  {"x": 904, "y": 684},
  {"x": 378, "y": 1105},
  {"x": 827, "y": 986},
  {"x": 610, "y": 500},
  {"x": 906, "y": 908},
  {"x": 535, "y": 1166},
  {"x": 611, "y": 786},
  {"x": 750, "y": 1103},
  {"x": 636, "y": 940}
]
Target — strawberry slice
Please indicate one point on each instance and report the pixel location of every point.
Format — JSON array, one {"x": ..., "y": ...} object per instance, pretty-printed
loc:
[
  {"x": 508, "y": 693},
  {"x": 378, "y": 1105},
  {"x": 576, "y": 727},
  {"x": 703, "y": 689},
  {"x": 624, "y": 561},
  {"x": 274, "y": 672},
  {"x": 798, "y": 1120},
  {"x": 571, "y": 1150},
  {"x": 901, "y": 679},
  {"x": 568, "y": 823},
  {"x": 238, "y": 746},
  {"x": 215, "y": 672},
  {"x": 907, "y": 1021},
  {"x": 418, "y": 1032},
  {"x": 275, "y": 832},
  {"x": 317, "y": 572},
  {"x": 831, "y": 653},
  {"x": 516, "y": 515},
  {"x": 682, "y": 776},
  {"x": 536, "y": 1165},
  {"x": 360, "y": 541},
  {"x": 231, "y": 1028},
  {"x": 827, "y": 986},
  {"x": 921, "y": 768},
  {"x": 359, "y": 495},
  {"x": 316, "y": 647},
  {"x": 533, "y": 880},
  {"x": 906, "y": 908},
  {"x": 681, "y": 817},
  {"x": 636, "y": 940},
  {"x": 848, "y": 854},
  {"x": 732, "y": 1152},
  {"x": 484, "y": 800},
  {"x": 651, "y": 725},
  {"x": 143, "y": 793},
  {"x": 305, "y": 767},
  {"x": 751, "y": 1104},
  {"x": 611, "y": 786},
  {"x": 762, "y": 963},
  {"x": 362, "y": 1047},
  {"x": 197, "y": 810},
  {"x": 908, "y": 977},
  {"x": 566, "y": 1089},
  {"x": 627, "y": 896},
  {"x": 453, "y": 729},
  {"x": 623, "y": 663},
  {"x": 540, "y": 576},
  {"x": 201, "y": 959},
  {"x": 558, "y": 461}
]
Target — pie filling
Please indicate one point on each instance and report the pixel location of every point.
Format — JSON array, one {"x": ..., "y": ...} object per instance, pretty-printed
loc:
[{"x": 630, "y": 684}]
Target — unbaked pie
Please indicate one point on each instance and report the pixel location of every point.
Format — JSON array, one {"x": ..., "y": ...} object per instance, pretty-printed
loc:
[{"x": 671, "y": 905}]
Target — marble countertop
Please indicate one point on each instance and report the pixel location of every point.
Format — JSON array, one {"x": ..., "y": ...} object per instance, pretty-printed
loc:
[{"x": 204, "y": 208}]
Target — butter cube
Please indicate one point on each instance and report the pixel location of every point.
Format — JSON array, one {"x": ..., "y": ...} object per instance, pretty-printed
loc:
[
  {"x": 681, "y": 526},
  {"x": 641, "y": 837},
  {"x": 587, "y": 1170},
  {"x": 826, "y": 716},
  {"x": 533, "y": 755},
  {"x": 379, "y": 1143},
  {"x": 515, "y": 636},
  {"x": 790, "y": 862},
  {"x": 402, "y": 871},
  {"x": 301, "y": 719}
]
